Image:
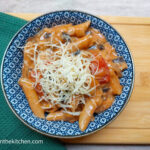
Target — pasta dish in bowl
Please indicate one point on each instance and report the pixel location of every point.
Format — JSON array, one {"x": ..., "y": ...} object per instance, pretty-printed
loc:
[{"x": 67, "y": 74}]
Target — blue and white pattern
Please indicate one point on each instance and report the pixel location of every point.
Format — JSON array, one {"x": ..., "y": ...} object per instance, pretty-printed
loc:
[{"x": 11, "y": 72}]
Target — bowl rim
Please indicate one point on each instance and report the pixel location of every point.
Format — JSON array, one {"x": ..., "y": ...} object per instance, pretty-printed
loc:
[{"x": 61, "y": 136}]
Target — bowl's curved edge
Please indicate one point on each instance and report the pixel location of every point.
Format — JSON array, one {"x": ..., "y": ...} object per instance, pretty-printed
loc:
[{"x": 57, "y": 136}]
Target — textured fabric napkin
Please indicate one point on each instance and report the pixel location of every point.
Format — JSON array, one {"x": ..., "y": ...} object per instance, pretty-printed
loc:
[{"x": 13, "y": 130}]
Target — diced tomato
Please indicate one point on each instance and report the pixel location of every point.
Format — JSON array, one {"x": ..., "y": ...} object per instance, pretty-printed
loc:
[{"x": 100, "y": 69}]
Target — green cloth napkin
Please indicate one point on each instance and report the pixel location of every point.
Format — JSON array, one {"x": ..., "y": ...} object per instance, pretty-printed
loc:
[{"x": 10, "y": 127}]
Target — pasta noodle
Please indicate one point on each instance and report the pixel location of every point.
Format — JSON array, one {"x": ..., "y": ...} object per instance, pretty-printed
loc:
[{"x": 32, "y": 97}]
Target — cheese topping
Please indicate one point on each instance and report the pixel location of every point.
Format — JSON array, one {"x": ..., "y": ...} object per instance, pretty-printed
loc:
[{"x": 64, "y": 75}]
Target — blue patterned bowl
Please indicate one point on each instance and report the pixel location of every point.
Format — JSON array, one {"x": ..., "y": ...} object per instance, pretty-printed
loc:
[{"x": 11, "y": 72}]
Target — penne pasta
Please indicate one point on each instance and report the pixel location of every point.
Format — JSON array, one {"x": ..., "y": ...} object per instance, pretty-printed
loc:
[
  {"x": 105, "y": 104},
  {"x": 59, "y": 115},
  {"x": 32, "y": 97},
  {"x": 89, "y": 109},
  {"x": 115, "y": 84},
  {"x": 82, "y": 43},
  {"x": 98, "y": 37},
  {"x": 78, "y": 30},
  {"x": 58, "y": 29},
  {"x": 46, "y": 105}
]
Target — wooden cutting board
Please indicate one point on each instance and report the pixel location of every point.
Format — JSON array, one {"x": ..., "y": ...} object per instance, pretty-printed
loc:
[{"x": 132, "y": 126}]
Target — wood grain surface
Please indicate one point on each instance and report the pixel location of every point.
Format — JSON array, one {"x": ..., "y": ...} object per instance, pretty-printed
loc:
[{"x": 132, "y": 126}]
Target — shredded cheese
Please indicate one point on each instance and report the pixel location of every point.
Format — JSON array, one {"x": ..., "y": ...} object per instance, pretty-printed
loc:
[{"x": 63, "y": 74}]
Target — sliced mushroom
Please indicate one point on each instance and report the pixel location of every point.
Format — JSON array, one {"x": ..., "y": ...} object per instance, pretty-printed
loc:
[
  {"x": 47, "y": 35},
  {"x": 120, "y": 59},
  {"x": 76, "y": 52},
  {"x": 66, "y": 37},
  {"x": 105, "y": 89},
  {"x": 101, "y": 47}
]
